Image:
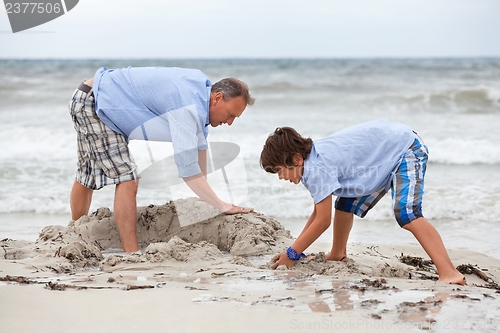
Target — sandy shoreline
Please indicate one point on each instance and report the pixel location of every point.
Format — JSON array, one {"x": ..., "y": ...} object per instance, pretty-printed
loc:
[{"x": 214, "y": 276}]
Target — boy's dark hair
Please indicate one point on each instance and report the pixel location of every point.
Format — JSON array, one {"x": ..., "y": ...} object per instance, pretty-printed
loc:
[{"x": 280, "y": 148}]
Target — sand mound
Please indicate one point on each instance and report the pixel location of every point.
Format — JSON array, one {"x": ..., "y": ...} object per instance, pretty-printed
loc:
[
  {"x": 241, "y": 234},
  {"x": 181, "y": 230},
  {"x": 316, "y": 263},
  {"x": 180, "y": 250}
]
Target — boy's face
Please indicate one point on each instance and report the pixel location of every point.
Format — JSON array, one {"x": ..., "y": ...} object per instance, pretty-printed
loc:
[{"x": 292, "y": 174}]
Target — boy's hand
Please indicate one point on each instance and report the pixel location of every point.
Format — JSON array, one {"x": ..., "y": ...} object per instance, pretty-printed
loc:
[{"x": 282, "y": 259}]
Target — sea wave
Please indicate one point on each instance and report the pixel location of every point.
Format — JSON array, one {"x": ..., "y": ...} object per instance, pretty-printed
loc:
[
  {"x": 457, "y": 203},
  {"x": 470, "y": 100},
  {"x": 453, "y": 104},
  {"x": 463, "y": 152},
  {"x": 471, "y": 202}
]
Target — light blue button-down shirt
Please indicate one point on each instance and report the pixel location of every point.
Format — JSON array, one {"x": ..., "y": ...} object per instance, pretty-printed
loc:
[
  {"x": 157, "y": 104},
  {"x": 356, "y": 161}
]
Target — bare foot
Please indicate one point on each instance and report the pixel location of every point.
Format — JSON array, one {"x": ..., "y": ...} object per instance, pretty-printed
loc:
[
  {"x": 331, "y": 257},
  {"x": 458, "y": 278}
]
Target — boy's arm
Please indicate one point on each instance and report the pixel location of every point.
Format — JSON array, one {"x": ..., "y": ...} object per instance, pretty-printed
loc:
[
  {"x": 309, "y": 221},
  {"x": 317, "y": 224}
]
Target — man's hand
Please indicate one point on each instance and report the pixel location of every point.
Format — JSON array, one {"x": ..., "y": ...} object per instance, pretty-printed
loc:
[
  {"x": 199, "y": 185},
  {"x": 282, "y": 259},
  {"x": 230, "y": 209}
]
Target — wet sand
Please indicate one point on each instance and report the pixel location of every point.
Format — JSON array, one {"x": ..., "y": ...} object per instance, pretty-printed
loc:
[{"x": 211, "y": 272}]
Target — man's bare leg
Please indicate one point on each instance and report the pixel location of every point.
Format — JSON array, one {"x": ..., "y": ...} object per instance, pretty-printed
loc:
[
  {"x": 79, "y": 200},
  {"x": 126, "y": 214},
  {"x": 433, "y": 245},
  {"x": 342, "y": 225}
]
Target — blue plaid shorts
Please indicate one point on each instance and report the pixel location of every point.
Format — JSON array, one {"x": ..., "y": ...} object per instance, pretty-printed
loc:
[
  {"x": 103, "y": 155},
  {"x": 407, "y": 188}
]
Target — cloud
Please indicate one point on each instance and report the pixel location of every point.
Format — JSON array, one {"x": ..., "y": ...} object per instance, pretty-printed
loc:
[{"x": 277, "y": 28}]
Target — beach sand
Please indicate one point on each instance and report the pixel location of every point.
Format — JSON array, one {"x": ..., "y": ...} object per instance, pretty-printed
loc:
[{"x": 215, "y": 276}]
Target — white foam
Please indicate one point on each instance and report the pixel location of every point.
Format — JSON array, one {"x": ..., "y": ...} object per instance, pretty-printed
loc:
[
  {"x": 38, "y": 155},
  {"x": 21, "y": 143},
  {"x": 463, "y": 152}
]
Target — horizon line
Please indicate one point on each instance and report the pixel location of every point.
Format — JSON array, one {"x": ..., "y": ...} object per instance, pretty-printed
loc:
[{"x": 260, "y": 58}]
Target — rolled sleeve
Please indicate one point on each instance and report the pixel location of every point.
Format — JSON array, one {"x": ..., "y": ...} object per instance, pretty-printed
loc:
[{"x": 187, "y": 139}]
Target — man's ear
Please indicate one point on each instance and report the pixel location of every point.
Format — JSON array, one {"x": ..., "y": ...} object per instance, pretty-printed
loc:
[{"x": 217, "y": 97}]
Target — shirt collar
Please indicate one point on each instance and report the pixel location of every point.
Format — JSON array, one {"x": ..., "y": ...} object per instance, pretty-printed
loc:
[{"x": 207, "y": 121}]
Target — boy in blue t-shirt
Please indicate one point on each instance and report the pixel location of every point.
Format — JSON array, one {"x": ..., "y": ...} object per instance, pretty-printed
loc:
[{"x": 358, "y": 165}]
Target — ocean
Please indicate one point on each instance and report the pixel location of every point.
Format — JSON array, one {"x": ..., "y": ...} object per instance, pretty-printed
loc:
[{"x": 454, "y": 105}]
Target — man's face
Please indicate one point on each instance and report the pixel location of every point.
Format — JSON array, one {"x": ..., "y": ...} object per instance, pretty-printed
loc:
[{"x": 225, "y": 111}]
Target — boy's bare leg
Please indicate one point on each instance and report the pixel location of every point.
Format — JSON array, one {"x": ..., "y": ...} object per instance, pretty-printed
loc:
[
  {"x": 126, "y": 214},
  {"x": 432, "y": 243},
  {"x": 79, "y": 200},
  {"x": 342, "y": 225}
]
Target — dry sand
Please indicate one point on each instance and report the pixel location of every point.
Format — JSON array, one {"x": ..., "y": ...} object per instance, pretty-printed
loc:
[{"x": 215, "y": 276}]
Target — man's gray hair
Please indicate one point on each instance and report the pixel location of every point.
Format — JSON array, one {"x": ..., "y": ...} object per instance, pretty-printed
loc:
[{"x": 232, "y": 88}]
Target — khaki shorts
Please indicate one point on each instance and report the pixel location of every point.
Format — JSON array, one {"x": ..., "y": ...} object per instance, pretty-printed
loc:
[{"x": 103, "y": 155}]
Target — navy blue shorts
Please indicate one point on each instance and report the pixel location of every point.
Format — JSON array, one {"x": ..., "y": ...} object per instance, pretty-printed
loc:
[{"x": 407, "y": 188}]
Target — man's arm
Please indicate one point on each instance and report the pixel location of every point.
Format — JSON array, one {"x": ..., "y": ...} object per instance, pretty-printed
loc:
[
  {"x": 184, "y": 129},
  {"x": 202, "y": 162},
  {"x": 199, "y": 185}
]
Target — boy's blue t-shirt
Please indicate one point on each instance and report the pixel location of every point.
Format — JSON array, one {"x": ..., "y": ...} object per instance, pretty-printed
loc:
[
  {"x": 356, "y": 161},
  {"x": 157, "y": 104}
]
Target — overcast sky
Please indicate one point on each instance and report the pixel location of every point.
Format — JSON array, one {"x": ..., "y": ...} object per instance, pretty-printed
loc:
[{"x": 262, "y": 29}]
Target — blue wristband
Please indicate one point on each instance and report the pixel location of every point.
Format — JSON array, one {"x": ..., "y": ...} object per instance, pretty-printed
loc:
[{"x": 293, "y": 255}]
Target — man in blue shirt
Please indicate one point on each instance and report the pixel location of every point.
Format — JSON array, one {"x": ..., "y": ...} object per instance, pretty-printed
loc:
[
  {"x": 358, "y": 165},
  {"x": 152, "y": 103}
]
